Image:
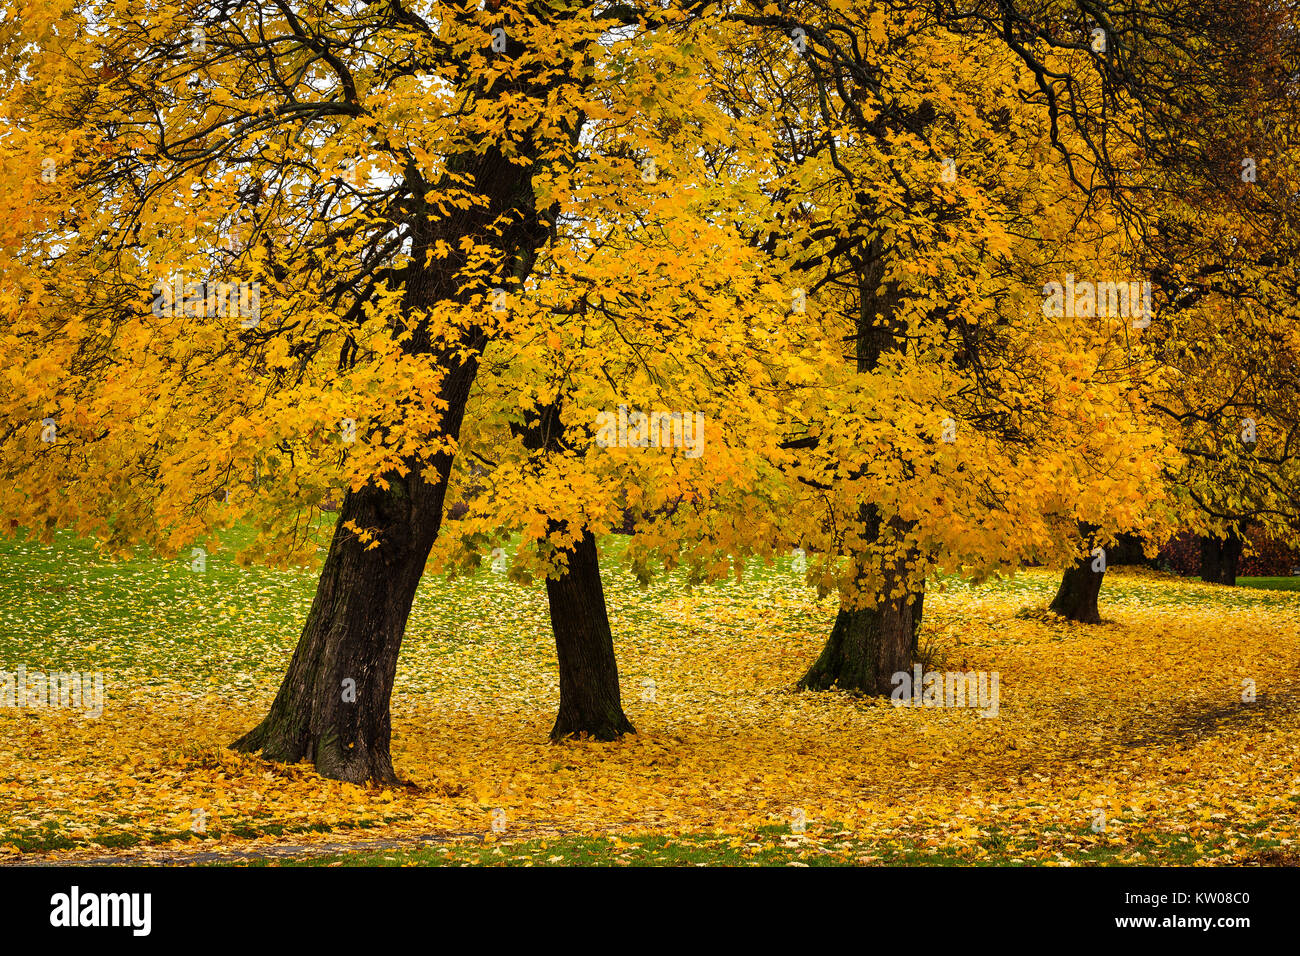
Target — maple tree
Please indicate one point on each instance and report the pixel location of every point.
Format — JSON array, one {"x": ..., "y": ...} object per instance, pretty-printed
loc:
[
  {"x": 381, "y": 179},
  {"x": 1107, "y": 111},
  {"x": 968, "y": 431},
  {"x": 1229, "y": 254},
  {"x": 363, "y": 196},
  {"x": 1213, "y": 204},
  {"x": 269, "y": 262}
]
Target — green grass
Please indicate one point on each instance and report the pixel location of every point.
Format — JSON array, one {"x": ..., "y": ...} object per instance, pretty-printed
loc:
[
  {"x": 49, "y": 838},
  {"x": 776, "y": 846},
  {"x": 231, "y": 627},
  {"x": 1271, "y": 584},
  {"x": 65, "y": 606}
]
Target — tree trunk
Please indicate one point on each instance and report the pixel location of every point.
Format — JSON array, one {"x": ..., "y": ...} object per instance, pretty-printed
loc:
[
  {"x": 590, "y": 702},
  {"x": 589, "y": 694},
  {"x": 868, "y": 646},
  {"x": 918, "y": 609},
  {"x": 1128, "y": 550},
  {"x": 1076, "y": 598},
  {"x": 355, "y": 627},
  {"x": 1220, "y": 558},
  {"x": 1211, "y": 559},
  {"x": 333, "y": 705}
]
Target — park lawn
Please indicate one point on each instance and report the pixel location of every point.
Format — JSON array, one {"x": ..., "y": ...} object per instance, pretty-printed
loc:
[
  {"x": 1141, "y": 719},
  {"x": 821, "y": 845},
  {"x": 1273, "y": 584}
]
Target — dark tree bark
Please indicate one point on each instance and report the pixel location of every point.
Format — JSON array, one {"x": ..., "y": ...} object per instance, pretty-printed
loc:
[
  {"x": 358, "y": 617},
  {"x": 590, "y": 702},
  {"x": 1128, "y": 549},
  {"x": 1076, "y": 598},
  {"x": 868, "y": 646},
  {"x": 1211, "y": 558},
  {"x": 918, "y": 609},
  {"x": 355, "y": 627},
  {"x": 1220, "y": 558},
  {"x": 333, "y": 705}
]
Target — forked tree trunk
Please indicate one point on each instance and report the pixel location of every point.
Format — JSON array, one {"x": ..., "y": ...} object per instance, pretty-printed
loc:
[
  {"x": 354, "y": 631},
  {"x": 1076, "y": 598},
  {"x": 590, "y": 702},
  {"x": 333, "y": 705},
  {"x": 1220, "y": 558}
]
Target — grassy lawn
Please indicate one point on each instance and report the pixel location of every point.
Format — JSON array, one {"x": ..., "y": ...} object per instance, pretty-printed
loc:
[
  {"x": 1271, "y": 584},
  {"x": 772, "y": 846},
  {"x": 1143, "y": 718}
]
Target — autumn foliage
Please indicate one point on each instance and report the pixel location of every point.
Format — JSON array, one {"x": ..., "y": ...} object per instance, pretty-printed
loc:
[{"x": 918, "y": 295}]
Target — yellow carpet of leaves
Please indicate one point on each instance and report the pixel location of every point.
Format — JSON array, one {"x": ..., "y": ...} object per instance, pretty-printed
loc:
[{"x": 1141, "y": 717}]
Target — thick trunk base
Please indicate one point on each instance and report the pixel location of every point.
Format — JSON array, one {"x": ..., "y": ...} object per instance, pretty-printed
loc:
[
  {"x": 1076, "y": 598},
  {"x": 333, "y": 705},
  {"x": 1220, "y": 558},
  {"x": 867, "y": 647},
  {"x": 590, "y": 702}
]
